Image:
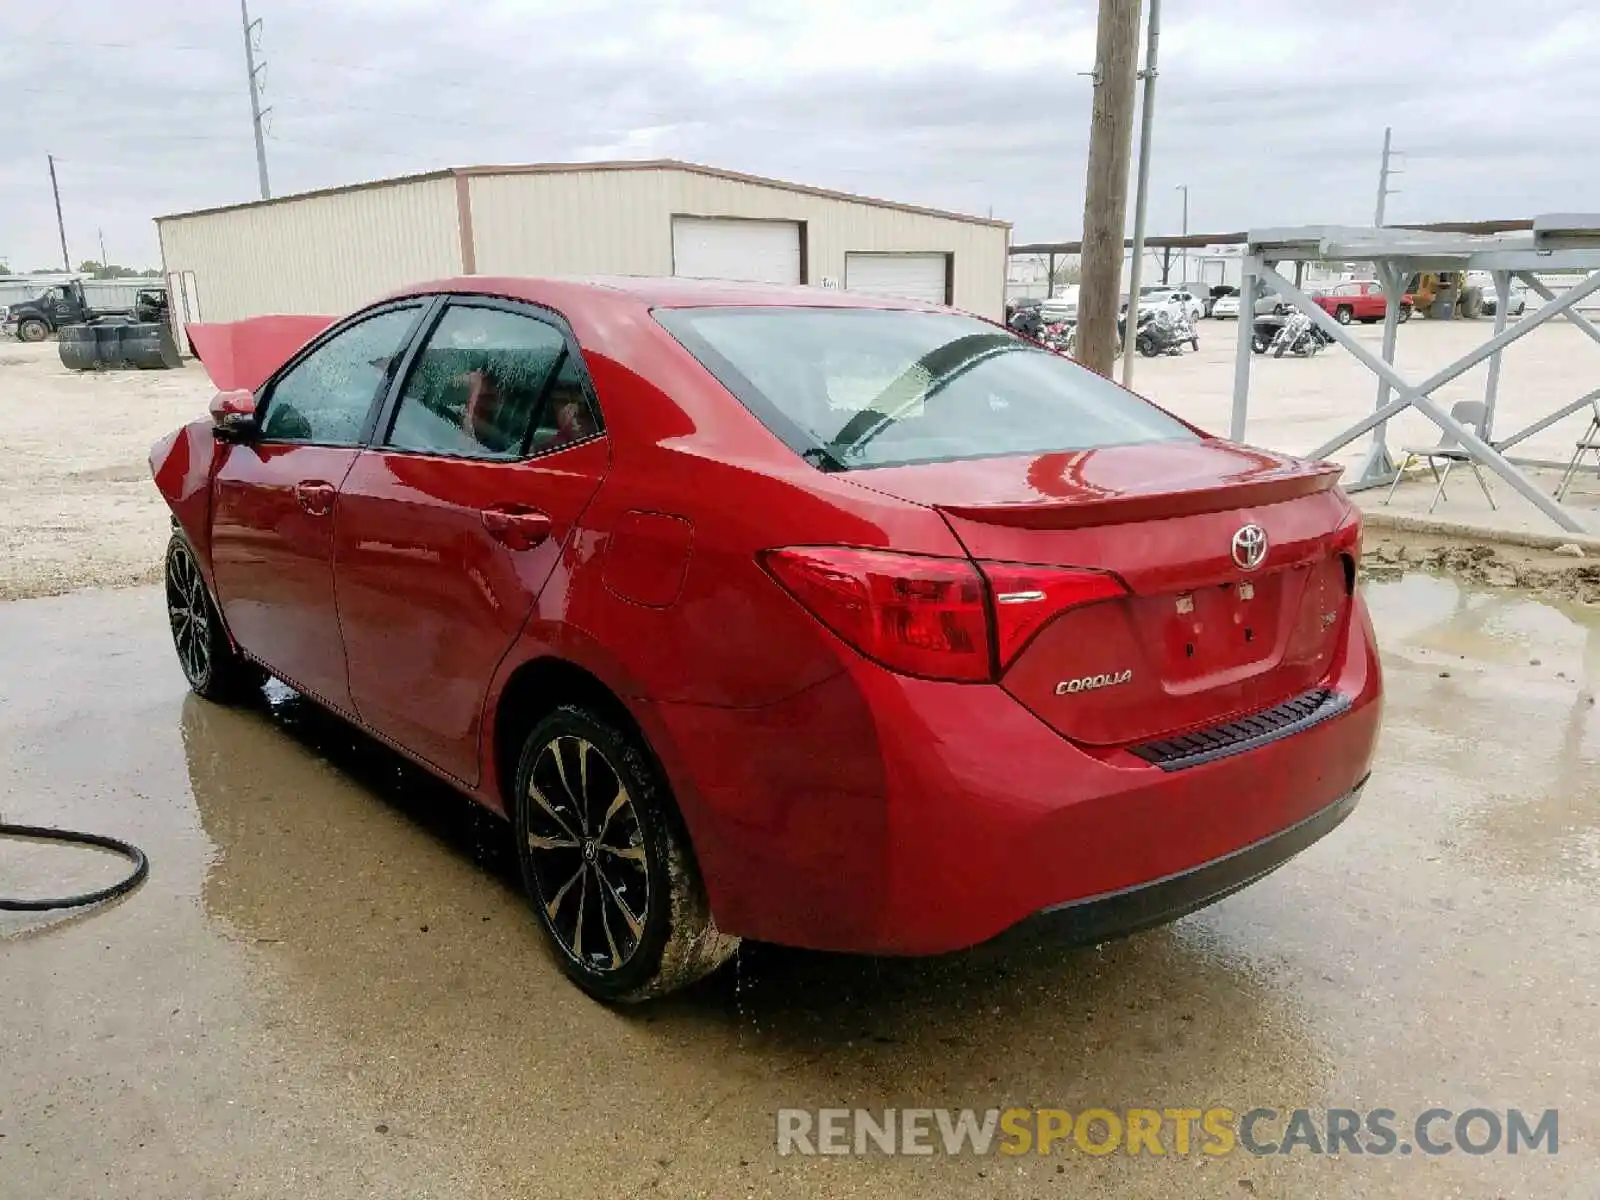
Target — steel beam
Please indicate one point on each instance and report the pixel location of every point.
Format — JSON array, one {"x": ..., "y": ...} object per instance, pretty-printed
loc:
[
  {"x": 1417, "y": 396},
  {"x": 1547, "y": 295},
  {"x": 1588, "y": 398},
  {"x": 1242, "y": 352},
  {"x": 1491, "y": 388},
  {"x": 1378, "y": 468}
]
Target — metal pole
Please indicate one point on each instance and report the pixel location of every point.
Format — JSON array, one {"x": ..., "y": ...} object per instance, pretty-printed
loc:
[
  {"x": 1379, "y": 466},
  {"x": 102, "y": 235},
  {"x": 1491, "y": 387},
  {"x": 1383, "y": 178},
  {"x": 1106, "y": 194},
  {"x": 255, "y": 99},
  {"x": 1050, "y": 278},
  {"x": 1183, "y": 266},
  {"x": 61, "y": 226},
  {"x": 1242, "y": 351},
  {"x": 1142, "y": 195}
]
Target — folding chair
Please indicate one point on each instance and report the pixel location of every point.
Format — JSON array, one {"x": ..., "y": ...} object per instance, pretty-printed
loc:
[
  {"x": 1589, "y": 443},
  {"x": 1449, "y": 452}
]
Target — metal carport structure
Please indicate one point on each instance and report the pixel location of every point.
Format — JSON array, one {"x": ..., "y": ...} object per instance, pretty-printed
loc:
[{"x": 1553, "y": 243}]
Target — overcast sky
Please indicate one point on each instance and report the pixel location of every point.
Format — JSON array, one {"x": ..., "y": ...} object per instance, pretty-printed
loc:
[{"x": 1272, "y": 112}]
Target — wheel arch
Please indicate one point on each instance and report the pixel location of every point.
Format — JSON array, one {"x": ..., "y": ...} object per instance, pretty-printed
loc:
[
  {"x": 532, "y": 691},
  {"x": 538, "y": 686}
]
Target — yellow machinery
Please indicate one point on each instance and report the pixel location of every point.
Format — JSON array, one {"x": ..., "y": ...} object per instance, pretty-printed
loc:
[{"x": 1443, "y": 295}]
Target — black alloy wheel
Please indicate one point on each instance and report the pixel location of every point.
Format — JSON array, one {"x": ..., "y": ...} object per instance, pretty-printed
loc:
[
  {"x": 587, "y": 854},
  {"x": 606, "y": 861},
  {"x": 211, "y": 664},
  {"x": 189, "y": 613}
]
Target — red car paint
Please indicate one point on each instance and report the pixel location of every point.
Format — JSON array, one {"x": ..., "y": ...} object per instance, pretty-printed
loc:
[
  {"x": 1364, "y": 301},
  {"x": 832, "y": 801}
]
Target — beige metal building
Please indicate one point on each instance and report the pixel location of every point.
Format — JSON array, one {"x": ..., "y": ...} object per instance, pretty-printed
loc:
[{"x": 332, "y": 251}]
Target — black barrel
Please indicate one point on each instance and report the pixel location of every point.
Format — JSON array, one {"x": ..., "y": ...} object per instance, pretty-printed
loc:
[
  {"x": 148, "y": 345},
  {"x": 76, "y": 345}
]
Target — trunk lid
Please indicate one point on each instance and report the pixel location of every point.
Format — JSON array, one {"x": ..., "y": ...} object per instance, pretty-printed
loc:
[{"x": 1198, "y": 639}]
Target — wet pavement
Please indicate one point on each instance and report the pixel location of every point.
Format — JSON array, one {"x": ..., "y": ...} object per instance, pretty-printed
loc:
[{"x": 329, "y": 986}]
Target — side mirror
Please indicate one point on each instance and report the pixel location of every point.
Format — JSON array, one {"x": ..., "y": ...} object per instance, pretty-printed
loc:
[{"x": 233, "y": 416}]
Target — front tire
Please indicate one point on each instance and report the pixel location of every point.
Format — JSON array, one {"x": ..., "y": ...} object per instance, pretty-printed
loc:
[
  {"x": 606, "y": 862},
  {"x": 1343, "y": 314},
  {"x": 210, "y": 663},
  {"x": 32, "y": 330}
]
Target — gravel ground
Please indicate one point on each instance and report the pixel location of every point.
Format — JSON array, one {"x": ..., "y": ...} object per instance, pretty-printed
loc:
[{"x": 77, "y": 508}]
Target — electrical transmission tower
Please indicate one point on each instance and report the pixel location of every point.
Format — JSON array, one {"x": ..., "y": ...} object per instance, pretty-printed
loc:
[
  {"x": 252, "y": 30},
  {"x": 1384, "y": 173}
]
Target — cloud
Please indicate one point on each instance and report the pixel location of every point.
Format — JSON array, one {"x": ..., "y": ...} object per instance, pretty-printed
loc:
[{"x": 1272, "y": 113}]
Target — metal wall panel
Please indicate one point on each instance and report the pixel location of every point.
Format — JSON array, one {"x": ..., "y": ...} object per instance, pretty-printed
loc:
[
  {"x": 620, "y": 222},
  {"x": 318, "y": 254}
]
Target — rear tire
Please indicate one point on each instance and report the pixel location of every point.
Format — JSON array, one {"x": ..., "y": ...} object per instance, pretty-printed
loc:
[
  {"x": 210, "y": 663},
  {"x": 607, "y": 864},
  {"x": 1405, "y": 315},
  {"x": 32, "y": 330}
]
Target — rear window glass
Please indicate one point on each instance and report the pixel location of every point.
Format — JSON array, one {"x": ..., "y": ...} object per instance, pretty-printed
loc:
[{"x": 851, "y": 388}]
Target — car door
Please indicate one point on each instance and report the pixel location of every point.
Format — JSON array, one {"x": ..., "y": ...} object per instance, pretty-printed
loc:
[
  {"x": 451, "y": 523},
  {"x": 273, "y": 500}
]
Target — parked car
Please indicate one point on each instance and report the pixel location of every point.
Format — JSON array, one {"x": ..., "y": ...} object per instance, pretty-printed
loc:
[
  {"x": 1183, "y": 301},
  {"x": 1517, "y": 306},
  {"x": 1362, "y": 300},
  {"x": 1060, "y": 307},
  {"x": 1226, "y": 307},
  {"x": 765, "y": 612}
]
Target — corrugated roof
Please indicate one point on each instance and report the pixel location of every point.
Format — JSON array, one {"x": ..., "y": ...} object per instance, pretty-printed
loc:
[{"x": 657, "y": 164}]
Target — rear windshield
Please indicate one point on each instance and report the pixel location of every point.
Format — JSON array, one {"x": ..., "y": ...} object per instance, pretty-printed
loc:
[{"x": 850, "y": 388}]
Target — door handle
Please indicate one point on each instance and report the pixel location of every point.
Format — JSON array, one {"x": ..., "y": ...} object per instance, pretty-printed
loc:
[
  {"x": 315, "y": 496},
  {"x": 517, "y": 529}
]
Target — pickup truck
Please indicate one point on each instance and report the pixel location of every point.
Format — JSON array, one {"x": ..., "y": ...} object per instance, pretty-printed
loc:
[
  {"x": 1361, "y": 301},
  {"x": 65, "y": 304}
]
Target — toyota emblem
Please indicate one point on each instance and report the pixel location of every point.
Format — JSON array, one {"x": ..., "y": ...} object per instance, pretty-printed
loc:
[{"x": 1250, "y": 546}]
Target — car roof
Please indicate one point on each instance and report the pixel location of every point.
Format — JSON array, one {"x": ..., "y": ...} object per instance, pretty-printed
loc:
[{"x": 657, "y": 292}]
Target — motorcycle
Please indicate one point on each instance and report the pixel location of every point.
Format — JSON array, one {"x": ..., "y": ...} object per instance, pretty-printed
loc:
[
  {"x": 1164, "y": 331},
  {"x": 1294, "y": 334},
  {"x": 1027, "y": 322},
  {"x": 1060, "y": 336}
]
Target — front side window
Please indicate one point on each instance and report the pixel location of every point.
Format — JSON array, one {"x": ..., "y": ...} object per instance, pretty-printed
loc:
[
  {"x": 865, "y": 387},
  {"x": 326, "y": 397},
  {"x": 492, "y": 384}
]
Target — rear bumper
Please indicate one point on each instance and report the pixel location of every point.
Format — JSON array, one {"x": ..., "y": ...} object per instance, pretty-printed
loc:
[
  {"x": 887, "y": 815},
  {"x": 1118, "y": 914}
]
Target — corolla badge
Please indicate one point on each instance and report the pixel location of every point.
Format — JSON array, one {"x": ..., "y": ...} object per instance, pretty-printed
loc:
[
  {"x": 1091, "y": 683},
  {"x": 1249, "y": 546}
]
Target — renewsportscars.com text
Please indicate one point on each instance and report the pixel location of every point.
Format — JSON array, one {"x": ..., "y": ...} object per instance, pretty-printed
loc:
[{"x": 1165, "y": 1131}]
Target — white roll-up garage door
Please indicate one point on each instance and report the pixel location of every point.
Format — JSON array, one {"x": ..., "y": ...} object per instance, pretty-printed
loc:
[
  {"x": 733, "y": 248},
  {"x": 905, "y": 276}
]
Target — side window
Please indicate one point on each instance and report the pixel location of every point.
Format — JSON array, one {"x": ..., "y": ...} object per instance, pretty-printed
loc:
[
  {"x": 326, "y": 397},
  {"x": 491, "y": 384}
]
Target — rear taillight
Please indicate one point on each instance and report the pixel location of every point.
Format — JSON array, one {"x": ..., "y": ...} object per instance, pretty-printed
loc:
[
  {"x": 916, "y": 615},
  {"x": 1027, "y": 598},
  {"x": 937, "y": 618}
]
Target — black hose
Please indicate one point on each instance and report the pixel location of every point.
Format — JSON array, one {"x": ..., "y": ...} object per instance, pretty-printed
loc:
[{"x": 141, "y": 867}]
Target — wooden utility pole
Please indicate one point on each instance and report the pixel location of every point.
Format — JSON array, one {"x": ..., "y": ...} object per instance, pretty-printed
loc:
[{"x": 1105, "y": 203}]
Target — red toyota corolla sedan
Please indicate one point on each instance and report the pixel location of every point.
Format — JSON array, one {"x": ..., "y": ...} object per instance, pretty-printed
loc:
[{"x": 778, "y": 613}]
